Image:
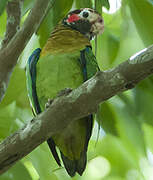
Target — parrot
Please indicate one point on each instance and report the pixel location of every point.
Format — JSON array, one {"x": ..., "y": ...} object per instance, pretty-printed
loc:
[{"x": 66, "y": 61}]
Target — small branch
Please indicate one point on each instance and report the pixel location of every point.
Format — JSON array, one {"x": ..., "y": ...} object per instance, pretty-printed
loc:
[
  {"x": 77, "y": 104},
  {"x": 13, "y": 20},
  {"x": 9, "y": 55}
]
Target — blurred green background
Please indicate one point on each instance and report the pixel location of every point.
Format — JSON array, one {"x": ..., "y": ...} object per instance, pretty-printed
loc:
[{"x": 124, "y": 150}]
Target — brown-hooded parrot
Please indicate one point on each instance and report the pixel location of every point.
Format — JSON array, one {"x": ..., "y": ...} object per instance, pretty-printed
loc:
[{"x": 66, "y": 61}]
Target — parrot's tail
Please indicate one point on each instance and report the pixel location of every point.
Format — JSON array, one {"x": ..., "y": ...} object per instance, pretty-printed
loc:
[{"x": 73, "y": 166}]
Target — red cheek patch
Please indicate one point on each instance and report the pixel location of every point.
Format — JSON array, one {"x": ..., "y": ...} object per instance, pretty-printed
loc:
[{"x": 73, "y": 18}]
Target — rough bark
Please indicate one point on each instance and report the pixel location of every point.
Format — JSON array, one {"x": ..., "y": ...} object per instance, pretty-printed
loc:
[
  {"x": 13, "y": 10},
  {"x": 78, "y": 103}
]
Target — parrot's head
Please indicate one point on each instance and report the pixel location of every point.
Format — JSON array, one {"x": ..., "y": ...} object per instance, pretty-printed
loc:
[{"x": 87, "y": 21}]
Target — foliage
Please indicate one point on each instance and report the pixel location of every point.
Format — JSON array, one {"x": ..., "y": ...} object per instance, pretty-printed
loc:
[{"x": 124, "y": 149}]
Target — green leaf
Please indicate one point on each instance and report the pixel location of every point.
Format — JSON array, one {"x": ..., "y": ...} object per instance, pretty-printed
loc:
[
  {"x": 107, "y": 54},
  {"x": 7, "y": 117},
  {"x": 125, "y": 30},
  {"x": 142, "y": 13},
  {"x": 148, "y": 135},
  {"x": 101, "y": 3},
  {"x": 143, "y": 103},
  {"x": 12, "y": 118},
  {"x": 113, "y": 47},
  {"x": 83, "y": 4},
  {"x": 27, "y": 4},
  {"x": 17, "y": 172},
  {"x": 16, "y": 90},
  {"x": 125, "y": 97},
  {"x": 129, "y": 126},
  {"x": 107, "y": 118},
  {"x": 113, "y": 149},
  {"x": 42, "y": 157},
  {"x": 108, "y": 44},
  {"x": 112, "y": 177},
  {"x": 105, "y": 3},
  {"x": 2, "y": 6},
  {"x": 56, "y": 13}
]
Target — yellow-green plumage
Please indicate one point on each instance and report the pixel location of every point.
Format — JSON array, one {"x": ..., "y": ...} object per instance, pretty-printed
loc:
[
  {"x": 59, "y": 68},
  {"x": 66, "y": 61}
]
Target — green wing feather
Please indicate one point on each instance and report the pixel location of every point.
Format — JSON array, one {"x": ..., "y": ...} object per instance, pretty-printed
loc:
[
  {"x": 32, "y": 93},
  {"x": 31, "y": 80}
]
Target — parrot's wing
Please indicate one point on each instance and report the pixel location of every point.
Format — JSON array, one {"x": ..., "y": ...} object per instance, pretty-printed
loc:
[
  {"x": 88, "y": 63},
  {"x": 32, "y": 93},
  {"x": 89, "y": 68},
  {"x": 31, "y": 80}
]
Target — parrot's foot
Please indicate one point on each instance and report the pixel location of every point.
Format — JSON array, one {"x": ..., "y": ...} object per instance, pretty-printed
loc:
[
  {"x": 48, "y": 103},
  {"x": 65, "y": 91}
]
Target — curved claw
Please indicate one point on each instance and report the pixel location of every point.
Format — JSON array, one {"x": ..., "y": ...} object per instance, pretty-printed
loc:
[
  {"x": 49, "y": 102},
  {"x": 63, "y": 92}
]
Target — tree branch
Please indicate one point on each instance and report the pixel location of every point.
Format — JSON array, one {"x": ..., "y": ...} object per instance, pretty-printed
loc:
[
  {"x": 75, "y": 105},
  {"x": 13, "y": 20},
  {"x": 9, "y": 55}
]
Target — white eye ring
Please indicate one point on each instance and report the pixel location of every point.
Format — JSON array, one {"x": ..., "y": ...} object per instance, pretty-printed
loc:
[{"x": 85, "y": 14}]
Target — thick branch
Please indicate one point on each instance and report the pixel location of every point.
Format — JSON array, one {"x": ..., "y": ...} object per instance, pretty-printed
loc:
[
  {"x": 79, "y": 103},
  {"x": 10, "y": 54},
  {"x": 13, "y": 20}
]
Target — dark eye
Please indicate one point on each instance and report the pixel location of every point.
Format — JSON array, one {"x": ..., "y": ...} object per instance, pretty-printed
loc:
[
  {"x": 85, "y": 14},
  {"x": 100, "y": 21}
]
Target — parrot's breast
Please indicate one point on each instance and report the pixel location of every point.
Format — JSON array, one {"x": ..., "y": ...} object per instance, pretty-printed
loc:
[{"x": 55, "y": 73}]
